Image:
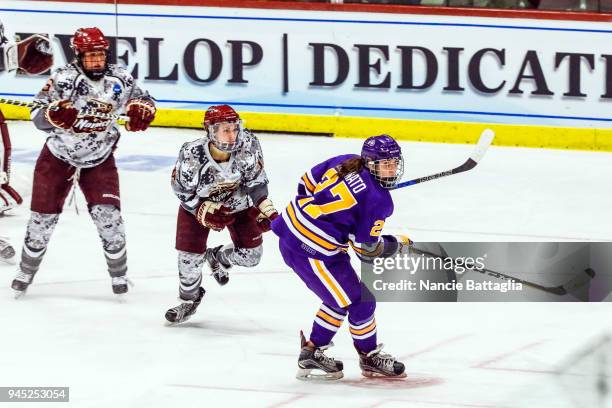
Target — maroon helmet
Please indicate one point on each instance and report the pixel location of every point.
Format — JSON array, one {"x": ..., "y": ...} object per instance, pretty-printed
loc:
[
  {"x": 90, "y": 39},
  {"x": 217, "y": 115}
]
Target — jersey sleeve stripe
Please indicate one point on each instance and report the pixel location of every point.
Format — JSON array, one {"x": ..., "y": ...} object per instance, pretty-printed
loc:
[
  {"x": 306, "y": 232},
  {"x": 307, "y": 183}
]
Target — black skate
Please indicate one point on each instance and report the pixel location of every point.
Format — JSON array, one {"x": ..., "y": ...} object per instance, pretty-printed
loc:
[
  {"x": 120, "y": 284},
  {"x": 218, "y": 269},
  {"x": 183, "y": 312},
  {"x": 314, "y": 359},
  {"x": 21, "y": 282},
  {"x": 7, "y": 252},
  {"x": 379, "y": 364}
]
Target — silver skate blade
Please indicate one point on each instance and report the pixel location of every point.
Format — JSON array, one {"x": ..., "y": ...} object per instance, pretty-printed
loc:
[
  {"x": 168, "y": 323},
  {"x": 374, "y": 374},
  {"x": 18, "y": 294},
  {"x": 306, "y": 374}
]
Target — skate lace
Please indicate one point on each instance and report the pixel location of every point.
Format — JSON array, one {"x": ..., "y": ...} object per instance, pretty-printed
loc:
[
  {"x": 23, "y": 277},
  {"x": 183, "y": 309},
  {"x": 319, "y": 354},
  {"x": 218, "y": 271},
  {"x": 380, "y": 359},
  {"x": 215, "y": 267},
  {"x": 122, "y": 280}
]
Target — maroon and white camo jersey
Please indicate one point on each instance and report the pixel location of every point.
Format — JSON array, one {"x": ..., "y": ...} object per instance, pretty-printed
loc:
[
  {"x": 238, "y": 183},
  {"x": 91, "y": 140}
]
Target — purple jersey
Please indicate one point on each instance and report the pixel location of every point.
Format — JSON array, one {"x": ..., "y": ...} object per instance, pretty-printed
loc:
[{"x": 329, "y": 214}]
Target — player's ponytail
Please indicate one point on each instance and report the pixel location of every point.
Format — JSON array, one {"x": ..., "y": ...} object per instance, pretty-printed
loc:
[{"x": 352, "y": 165}]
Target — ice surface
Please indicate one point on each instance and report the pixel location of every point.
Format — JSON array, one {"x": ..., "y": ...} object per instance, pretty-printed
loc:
[{"x": 240, "y": 349}]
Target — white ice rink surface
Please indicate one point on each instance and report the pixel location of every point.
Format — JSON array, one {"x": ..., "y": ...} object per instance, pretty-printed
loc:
[{"x": 240, "y": 349}]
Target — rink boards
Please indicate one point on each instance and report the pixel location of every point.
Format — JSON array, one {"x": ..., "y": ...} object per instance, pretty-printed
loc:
[{"x": 351, "y": 73}]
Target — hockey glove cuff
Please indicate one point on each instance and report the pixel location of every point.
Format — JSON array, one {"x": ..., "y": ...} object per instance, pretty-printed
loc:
[
  {"x": 61, "y": 114},
  {"x": 141, "y": 113},
  {"x": 267, "y": 214},
  {"x": 213, "y": 215},
  {"x": 394, "y": 244}
]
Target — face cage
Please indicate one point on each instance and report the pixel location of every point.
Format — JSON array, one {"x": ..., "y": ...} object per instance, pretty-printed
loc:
[
  {"x": 97, "y": 74},
  {"x": 388, "y": 182},
  {"x": 225, "y": 146}
]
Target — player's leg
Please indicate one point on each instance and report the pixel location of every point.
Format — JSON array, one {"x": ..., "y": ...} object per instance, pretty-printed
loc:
[
  {"x": 9, "y": 198},
  {"x": 338, "y": 286},
  {"x": 312, "y": 361},
  {"x": 191, "y": 246},
  {"x": 7, "y": 252},
  {"x": 49, "y": 190},
  {"x": 100, "y": 186},
  {"x": 362, "y": 326},
  {"x": 245, "y": 250}
]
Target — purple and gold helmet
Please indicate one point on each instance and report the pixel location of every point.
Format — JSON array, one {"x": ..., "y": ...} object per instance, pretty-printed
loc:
[{"x": 379, "y": 153}]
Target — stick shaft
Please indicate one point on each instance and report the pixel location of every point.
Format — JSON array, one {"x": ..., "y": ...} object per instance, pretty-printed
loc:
[
  {"x": 84, "y": 112},
  {"x": 484, "y": 141},
  {"x": 576, "y": 282}
]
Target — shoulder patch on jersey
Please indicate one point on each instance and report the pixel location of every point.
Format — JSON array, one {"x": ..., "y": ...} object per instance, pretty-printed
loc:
[{"x": 194, "y": 150}]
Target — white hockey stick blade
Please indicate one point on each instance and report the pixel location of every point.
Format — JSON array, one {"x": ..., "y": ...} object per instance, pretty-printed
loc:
[{"x": 485, "y": 140}]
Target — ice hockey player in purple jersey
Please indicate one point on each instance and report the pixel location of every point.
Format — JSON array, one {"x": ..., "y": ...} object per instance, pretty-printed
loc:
[
  {"x": 221, "y": 183},
  {"x": 341, "y": 203},
  {"x": 78, "y": 152}
]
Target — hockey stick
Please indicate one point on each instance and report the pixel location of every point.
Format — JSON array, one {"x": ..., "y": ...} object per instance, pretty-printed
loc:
[
  {"x": 576, "y": 282},
  {"x": 485, "y": 140},
  {"x": 82, "y": 113}
]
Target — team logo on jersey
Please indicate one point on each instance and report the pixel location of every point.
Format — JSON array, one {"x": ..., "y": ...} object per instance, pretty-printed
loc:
[
  {"x": 99, "y": 106},
  {"x": 92, "y": 124},
  {"x": 221, "y": 191}
]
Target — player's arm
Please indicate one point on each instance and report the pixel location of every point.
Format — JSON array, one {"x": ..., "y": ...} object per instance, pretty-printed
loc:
[
  {"x": 56, "y": 112},
  {"x": 369, "y": 242},
  {"x": 311, "y": 178},
  {"x": 184, "y": 181},
  {"x": 256, "y": 184},
  {"x": 32, "y": 55}
]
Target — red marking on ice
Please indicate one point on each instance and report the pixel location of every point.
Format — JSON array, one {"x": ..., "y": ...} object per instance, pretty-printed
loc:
[
  {"x": 411, "y": 381},
  {"x": 244, "y": 389},
  {"x": 287, "y": 401},
  {"x": 421, "y": 402},
  {"x": 450, "y": 404},
  {"x": 508, "y": 354},
  {"x": 433, "y": 346},
  {"x": 520, "y": 370}
]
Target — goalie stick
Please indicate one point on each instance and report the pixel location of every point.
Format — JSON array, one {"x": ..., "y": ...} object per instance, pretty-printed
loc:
[
  {"x": 485, "y": 140},
  {"x": 83, "y": 112},
  {"x": 578, "y": 281}
]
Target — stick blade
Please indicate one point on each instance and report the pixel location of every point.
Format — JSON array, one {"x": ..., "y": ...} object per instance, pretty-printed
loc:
[
  {"x": 485, "y": 140},
  {"x": 579, "y": 280}
]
